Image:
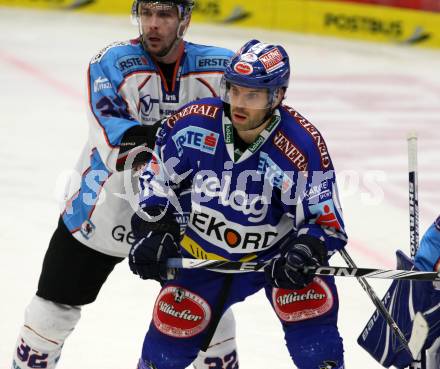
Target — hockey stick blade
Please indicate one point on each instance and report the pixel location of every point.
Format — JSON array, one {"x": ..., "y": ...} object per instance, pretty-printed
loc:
[
  {"x": 237, "y": 266},
  {"x": 419, "y": 334}
]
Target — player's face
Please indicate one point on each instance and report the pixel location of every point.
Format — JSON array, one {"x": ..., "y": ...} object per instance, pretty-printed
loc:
[
  {"x": 159, "y": 27},
  {"x": 248, "y": 106}
]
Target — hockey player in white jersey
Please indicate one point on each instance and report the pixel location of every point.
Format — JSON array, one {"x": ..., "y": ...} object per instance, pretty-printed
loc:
[{"x": 131, "y": 86}]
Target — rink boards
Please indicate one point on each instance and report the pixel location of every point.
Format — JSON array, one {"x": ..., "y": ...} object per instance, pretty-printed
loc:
[{"x": 369, "y": 22}]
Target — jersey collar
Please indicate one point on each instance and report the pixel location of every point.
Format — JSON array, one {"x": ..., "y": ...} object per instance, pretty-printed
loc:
[{"x": 228, "y": 134}]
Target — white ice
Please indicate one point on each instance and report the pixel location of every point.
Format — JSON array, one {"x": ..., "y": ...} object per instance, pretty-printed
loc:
[{"x": 363, "y": 97}]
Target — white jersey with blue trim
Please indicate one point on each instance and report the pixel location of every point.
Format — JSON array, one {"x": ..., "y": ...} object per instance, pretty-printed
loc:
[
  {"x": 243, "y": 204},
  {"x": 428, "y": 254},
  {"x": 126, "y": 88}
]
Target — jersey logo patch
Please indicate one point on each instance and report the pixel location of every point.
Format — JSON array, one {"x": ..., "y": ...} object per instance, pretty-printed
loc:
[
  {"x": 196, "y": 138},
  {"x": 100, "y": 84},
  {"x": 180, "y": 313},
  {"x": 195, "y": 109},
  {"x": 310, "y": 302},
  {"x": 131, "y": 63},
  {"x": 290, "y": 150},
  {"x": 326, "y": 214},
  {"x": 315, "y": 135},
  {"x": 211, "y": 62},
  {"x": 147, "y": 105},
  {"x": 87, "y": 229},
  {"x": 319, "y": 192},
  {"x": 232, "y": 237}
]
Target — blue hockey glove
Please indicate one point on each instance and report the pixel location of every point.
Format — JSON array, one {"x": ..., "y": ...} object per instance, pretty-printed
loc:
[
  {"x": 287, "y": 271},
  {"x": 148, "y": 256}
]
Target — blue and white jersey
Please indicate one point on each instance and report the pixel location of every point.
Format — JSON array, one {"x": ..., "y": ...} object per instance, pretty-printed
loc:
[
  {"x": 125, "y": 89},
  {"x": 241, "y": 206},
  {"x": 428, "y": 254}
]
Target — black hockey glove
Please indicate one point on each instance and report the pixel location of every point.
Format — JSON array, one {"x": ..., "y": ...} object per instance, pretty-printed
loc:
[
  {"x": 287, "y": 270},
  {"x": 148, "y": 256},
  {"x": 155, "y": 243},
  {"x": 137, "y": 137}
]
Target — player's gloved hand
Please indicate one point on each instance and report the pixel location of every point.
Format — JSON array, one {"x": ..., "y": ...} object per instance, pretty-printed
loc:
[
  {"x": 149, "y": 254},
  {"x": 288, "y": 270},
  {"x": 155, "y": 242}
]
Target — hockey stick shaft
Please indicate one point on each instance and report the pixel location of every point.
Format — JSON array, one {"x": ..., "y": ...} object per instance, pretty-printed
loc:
[
  {"x": 414, "y": 217},
  {"x": 237, "y": 266},
  {"x": 352, "y": 271},
  {"x": 413, "y": 194},
  {"x": 378, "y": 303}
]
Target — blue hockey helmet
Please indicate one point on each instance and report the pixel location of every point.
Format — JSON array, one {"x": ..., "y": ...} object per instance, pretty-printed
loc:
[{"x": 257, "y": 65}]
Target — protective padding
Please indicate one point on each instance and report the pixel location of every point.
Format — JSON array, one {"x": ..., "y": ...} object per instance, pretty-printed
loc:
[
  {"x": 46, "y": 327},
  {"x": 223, "y": 347}
]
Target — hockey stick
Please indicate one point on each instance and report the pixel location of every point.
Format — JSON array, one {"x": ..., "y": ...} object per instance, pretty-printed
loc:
[
  {"x": 237, "y": 266},
  {"x": 380, "y": 306},
  {"x": 217, "y": 312},
  {"x": 413, "y": 194},
  {"x": 336, "y": 271},
  {"x": 420, "y": 362}
]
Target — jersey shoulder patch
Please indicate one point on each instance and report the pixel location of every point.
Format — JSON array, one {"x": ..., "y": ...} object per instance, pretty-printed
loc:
[
  {"x": 126, "y": 57},
  {"x": 203, "y": 58}
]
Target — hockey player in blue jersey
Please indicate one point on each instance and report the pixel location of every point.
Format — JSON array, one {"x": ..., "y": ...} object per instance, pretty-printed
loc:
[
  {"x": 404, "y": 299},
  {"x": 131, "y": 86},
  {"x": 262, "y": 188}
]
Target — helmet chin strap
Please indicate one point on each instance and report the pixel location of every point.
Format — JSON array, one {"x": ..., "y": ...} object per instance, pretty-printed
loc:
[{"x": 268, "y": 114}]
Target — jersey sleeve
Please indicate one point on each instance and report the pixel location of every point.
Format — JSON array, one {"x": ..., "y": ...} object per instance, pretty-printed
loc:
[
  {"x": 318, "y": 211},
  {"x": 167, "y": 174},
  {"x": 428, "y": 254},
  {"x": 108, "y": 113},
  {"x": 322, "y": 210}
]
